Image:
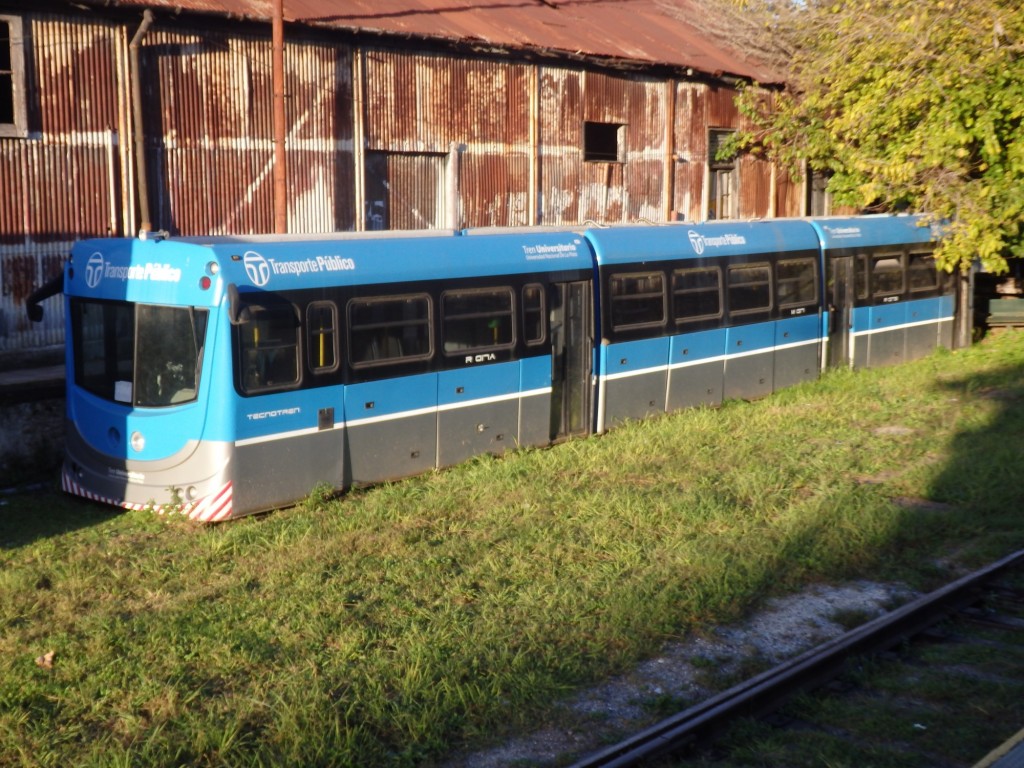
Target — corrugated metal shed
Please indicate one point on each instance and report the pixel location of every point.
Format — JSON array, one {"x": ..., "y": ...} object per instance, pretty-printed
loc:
[
  {"x": 636, "y": 32},
  {"x": 399, "y": 115}
]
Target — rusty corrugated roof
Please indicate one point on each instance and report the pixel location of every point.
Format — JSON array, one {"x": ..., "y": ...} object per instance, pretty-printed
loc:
[{"x": 642, "y": 32}]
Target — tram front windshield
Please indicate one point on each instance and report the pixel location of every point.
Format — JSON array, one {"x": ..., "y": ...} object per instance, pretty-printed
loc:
[{"x": 141, "y": 354}]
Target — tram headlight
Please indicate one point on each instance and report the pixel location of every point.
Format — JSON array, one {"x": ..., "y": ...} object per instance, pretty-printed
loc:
[{"x": 138, "y": 441}]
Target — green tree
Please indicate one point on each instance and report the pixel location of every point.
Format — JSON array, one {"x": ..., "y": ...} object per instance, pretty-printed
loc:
[{"x": 907, "y": 104}]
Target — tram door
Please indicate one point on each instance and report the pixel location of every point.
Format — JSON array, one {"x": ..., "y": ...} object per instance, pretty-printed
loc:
[
  {"x": 840, "y": 310},
  {"x": 571, "y": 342}
]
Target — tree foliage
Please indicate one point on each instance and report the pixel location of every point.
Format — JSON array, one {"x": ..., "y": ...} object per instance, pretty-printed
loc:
[{"x": 907, "y": 104}]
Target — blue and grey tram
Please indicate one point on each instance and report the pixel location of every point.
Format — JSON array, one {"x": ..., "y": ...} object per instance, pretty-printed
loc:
[{"x": 217, "y": 377}]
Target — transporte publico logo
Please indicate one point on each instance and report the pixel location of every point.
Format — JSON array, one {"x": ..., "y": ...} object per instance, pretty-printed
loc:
[
  {"x": 94, "y": 270},
  {"x": 260, "y": 269},
  {"x": 699, "y": 242},
  {"x": 98, "y": 269}
]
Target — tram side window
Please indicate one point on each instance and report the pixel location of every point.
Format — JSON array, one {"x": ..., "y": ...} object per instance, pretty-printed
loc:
[
  {"x": 269, "y": 348},
  {"x": 750, "y": 289},
  {"x": 477, "y": 320},
  {"x": 796, "y": 282},
  {"x": 385, "y": 330},
  {"x": 887, "y": 275},
  {"x": 696, "y": 294},
  {"x": 534, "y": 329},
  {"x": 637, "y": 300},
  {"x": 922, "y": 275},
  {"x": 322, "y": 336}
]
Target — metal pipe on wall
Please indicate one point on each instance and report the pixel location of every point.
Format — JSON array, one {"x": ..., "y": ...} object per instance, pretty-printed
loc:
[
  {"x": 280, "y": 123},
  {"x": 533, "y": 195},
  {"x": 359, "y": 137},
  {"x": 669, "y": 169},
  {"x": 146, "y": 225},
  {"x": 452, "y": 218}
]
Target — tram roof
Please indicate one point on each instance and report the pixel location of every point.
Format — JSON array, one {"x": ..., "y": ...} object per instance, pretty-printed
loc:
[
  {"x": 170, "y": 269},
  {"x": 866, "y": 231},
  {"x": 622, "y": 245}
]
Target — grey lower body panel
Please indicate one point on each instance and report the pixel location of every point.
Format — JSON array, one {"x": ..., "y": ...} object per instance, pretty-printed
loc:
[
  {"x": 693, "y": 385},
  {"x": 635, "y": 397},
  {"x": 389, "y": 449},
  {"x": 476, "y": 429},
  {"x": 886, "y": 347},
  {"x": 946, "y": 332},
  {"x": 796, "y": 364},
  {"x": 535, "y": 428},
  {"x": 921, "y": 341},
  {"x": 276, "y": 473},
  {"x": 750, "y": 376}
]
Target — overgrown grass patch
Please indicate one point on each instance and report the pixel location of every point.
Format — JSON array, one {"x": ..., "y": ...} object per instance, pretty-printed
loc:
[{"x": 391, "y": 624}]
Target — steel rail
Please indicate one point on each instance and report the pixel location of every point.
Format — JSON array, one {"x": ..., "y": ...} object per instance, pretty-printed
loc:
[{"x": 767, "y": 691}]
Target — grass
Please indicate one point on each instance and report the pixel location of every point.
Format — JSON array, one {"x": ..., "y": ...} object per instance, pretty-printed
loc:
[{"x": 394, "y": 624}]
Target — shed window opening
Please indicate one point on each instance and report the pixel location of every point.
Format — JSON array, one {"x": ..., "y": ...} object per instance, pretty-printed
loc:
[
  {"x": 477, "y": 320},
  {"x": 6, "y": 74},
  {"x": 321, "y": 336},
  {"x": 386, "y": 330},
  {"x": 534, "y": 327},
  {"x": 750, "y": 289},
  {"x": 637, "y": 300},
  {"x": 146, "y": 355},
  {"x": 12, "y": 78},
  {"x": 723, "y": 177},
  {"x": 269, "y": 348},
  {"x": 922, "y": 274},
  {"x": 696, "y": 294},
  {"x": 604, "y": 142},
  {"x": 796, "y": 283},
  {"x": 887, "y": 278}
]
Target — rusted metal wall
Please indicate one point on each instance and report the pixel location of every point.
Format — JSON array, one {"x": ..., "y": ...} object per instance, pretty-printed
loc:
[
  {"x": 789, "y": 195},
  {"x": 699, "y": 109},
  {"x": 377, "y": 152},
  {"x": 209, "y": 145},
  {"x": 64, "y": 181},
  {"x": 560, "y": 151},
  {"x": 419, "y": 106},
  {"x": 574, "y": 189},
  {"x": 209, "y": 132}
]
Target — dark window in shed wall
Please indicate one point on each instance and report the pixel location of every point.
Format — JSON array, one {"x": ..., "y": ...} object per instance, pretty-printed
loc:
[
  {"x": 817, "y": 193},
  {"x": 404, "y": 190},
  {"x": 603, "y": 142},
  {"x": 12, "y": 77},
  {"x": 723, "y": 179}
]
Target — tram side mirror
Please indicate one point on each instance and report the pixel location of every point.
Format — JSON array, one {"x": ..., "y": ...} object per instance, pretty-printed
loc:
[
  {"x": 237, "y": 313},
  {"x": 33, "y": 306}
]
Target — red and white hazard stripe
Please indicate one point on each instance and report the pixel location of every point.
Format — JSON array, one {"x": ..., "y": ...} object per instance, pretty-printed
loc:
[
  {"x": 209, "y": 509},
  {"x": 213, "y": 508}
]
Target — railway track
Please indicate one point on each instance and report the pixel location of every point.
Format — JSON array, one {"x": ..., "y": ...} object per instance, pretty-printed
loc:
[{"x": 983, "y": 612}]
